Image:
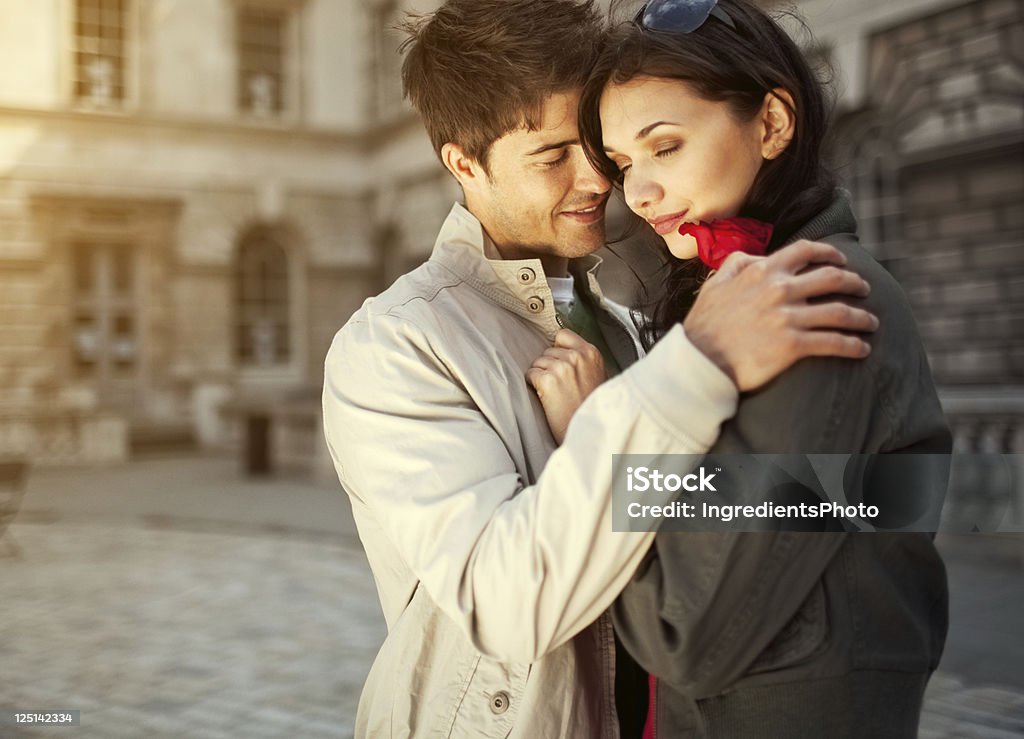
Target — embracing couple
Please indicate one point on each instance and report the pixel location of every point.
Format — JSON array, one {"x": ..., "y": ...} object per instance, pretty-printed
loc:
[{"x": 473, "y": 408}]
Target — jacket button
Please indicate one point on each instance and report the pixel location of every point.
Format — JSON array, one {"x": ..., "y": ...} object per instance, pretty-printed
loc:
[
  {"x": 535, "y": 305},
  {"x": 500, "y": 702},
  {"x": 527, "y": 276}
]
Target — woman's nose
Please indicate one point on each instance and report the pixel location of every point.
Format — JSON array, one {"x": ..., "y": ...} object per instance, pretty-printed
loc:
[{"x": 641, "y": 193}]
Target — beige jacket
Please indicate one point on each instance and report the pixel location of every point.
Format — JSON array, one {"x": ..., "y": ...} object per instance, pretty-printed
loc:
[{"x": 493, "y": 551}]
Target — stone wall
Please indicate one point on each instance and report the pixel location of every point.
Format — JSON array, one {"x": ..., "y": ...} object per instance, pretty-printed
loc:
[{"x": 945, "y": 110}]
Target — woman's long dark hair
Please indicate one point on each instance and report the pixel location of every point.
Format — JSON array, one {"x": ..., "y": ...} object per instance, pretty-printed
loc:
[{"x": 738, "y": 67}]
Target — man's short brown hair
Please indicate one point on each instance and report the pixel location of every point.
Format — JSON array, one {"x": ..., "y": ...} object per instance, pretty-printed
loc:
[{"x": 479, "y": 69}]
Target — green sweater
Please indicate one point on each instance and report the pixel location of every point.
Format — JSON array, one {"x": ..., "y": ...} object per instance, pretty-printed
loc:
[{"x": 580, "y": 318}]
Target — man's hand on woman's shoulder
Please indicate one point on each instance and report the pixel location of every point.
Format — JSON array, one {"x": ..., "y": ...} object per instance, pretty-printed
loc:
[{"x": 755, "y": 317}]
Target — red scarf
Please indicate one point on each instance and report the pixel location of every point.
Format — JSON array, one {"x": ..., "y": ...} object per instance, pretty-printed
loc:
[
  {"x": 652, "y": 703},
  {"x": 718, "y": 239}
]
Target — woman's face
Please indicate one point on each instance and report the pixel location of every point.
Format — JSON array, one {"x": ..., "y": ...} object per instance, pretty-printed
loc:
[{"x": 683, "y": 159}]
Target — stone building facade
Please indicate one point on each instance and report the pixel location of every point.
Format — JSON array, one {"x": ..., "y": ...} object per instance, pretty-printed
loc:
[
  {"x": 929, "y": 136},
  {"x": 186, "y": 217}
]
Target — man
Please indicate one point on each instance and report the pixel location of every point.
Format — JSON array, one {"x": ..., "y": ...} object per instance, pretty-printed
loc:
[{"x": 493, "y": 552}]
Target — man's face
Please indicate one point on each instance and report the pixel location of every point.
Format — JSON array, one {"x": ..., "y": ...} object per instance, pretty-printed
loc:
[{"x": 542, "y": 197}]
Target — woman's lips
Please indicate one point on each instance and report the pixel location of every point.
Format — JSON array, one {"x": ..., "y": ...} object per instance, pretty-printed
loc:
[{"x": 668, "y": 224}]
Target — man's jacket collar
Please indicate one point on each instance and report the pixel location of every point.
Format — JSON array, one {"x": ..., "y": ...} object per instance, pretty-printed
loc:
[{"x": 518, "y": 285}]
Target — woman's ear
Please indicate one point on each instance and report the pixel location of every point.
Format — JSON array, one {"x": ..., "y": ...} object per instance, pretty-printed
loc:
[{"x": 778, "y": 118}]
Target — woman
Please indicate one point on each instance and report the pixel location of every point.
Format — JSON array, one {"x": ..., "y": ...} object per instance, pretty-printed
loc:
[{"x": 705, "y": 113}]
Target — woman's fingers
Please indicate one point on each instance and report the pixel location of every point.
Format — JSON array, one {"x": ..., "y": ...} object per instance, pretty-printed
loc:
[
  {"x": 545, "y": 363},
  {"x": 563, "y": 376},
  {"x": 569, "y": 339},
  {"x": 569, "y": 356},
  {"x": 585, "y": 354},
  {"x": 540, "y": 380}
]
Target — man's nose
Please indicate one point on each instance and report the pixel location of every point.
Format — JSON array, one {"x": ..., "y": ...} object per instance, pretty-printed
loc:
[{"x": 589, "y": 179}]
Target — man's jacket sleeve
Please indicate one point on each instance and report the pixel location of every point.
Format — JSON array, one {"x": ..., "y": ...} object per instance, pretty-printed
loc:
[{"x": 520, "y": 569}]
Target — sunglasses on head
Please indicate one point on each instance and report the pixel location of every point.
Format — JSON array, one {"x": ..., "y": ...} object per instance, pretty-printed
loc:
[{"x": 680, "y": 16}]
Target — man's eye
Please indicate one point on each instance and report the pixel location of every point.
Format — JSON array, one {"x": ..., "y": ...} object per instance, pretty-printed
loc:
[{"x": 555, "y": 162}]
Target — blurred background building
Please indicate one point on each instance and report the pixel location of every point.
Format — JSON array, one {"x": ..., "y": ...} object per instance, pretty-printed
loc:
[
  {"x": 929, "y": 137},
  {"x": 187, "y": 198},
  {"x": 196, "y": 194}
]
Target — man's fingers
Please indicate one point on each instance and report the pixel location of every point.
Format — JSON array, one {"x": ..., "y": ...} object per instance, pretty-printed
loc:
[
  {"x": 831, "y": 344},
  {"x": 835, "y": 316},
  {"x": 734, "y": 264},
  {"x": 828, "y": 281},
  {"x": 796, "y": 256}
]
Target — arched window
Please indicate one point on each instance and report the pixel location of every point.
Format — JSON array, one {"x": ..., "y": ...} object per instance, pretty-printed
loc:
[{"x": 262, "y": 305}]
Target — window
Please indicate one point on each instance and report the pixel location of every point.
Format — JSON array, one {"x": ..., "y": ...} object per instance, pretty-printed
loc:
[
  {"x": 874, "y": 186},
  {"x": 261, "y": 288},
  {"x": 387, "y": 62},
  {"x": 105, "y": 334},
  {"x": 262, "y": 47},
  {"x": 100, "y": 52}
]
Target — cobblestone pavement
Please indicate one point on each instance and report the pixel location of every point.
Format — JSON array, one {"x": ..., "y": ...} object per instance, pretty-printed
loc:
[
  {"x": 177, "y": 633},
  {"x": 165, "y": 611}
]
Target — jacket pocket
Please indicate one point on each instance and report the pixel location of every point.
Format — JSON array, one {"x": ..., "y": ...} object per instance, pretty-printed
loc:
[
  {"x": 800, "y": 639},
  {"x": 420, "y": 677}
]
